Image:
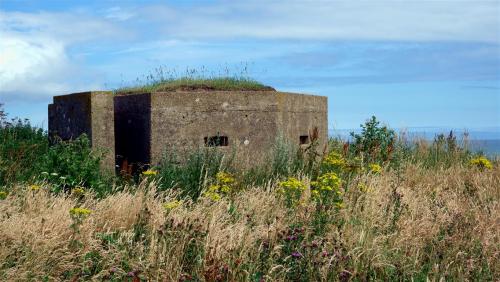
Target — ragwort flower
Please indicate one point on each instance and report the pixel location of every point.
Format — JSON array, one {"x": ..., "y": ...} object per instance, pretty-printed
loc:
[
  {"x": 481, "y": 163},
  {"x": 375, "y": 168},
  {"x": 78, "y": 191},
  {"x": 334, "y": 161},
  {"x": 80, "y": 212},
  {"x": 326, "y": 190},
  {"x": 292, "y": 189},
  {"x": 172, "y": 205},
  {"x": 35, "y": 187},
  {"x": 223, "y": 186}
]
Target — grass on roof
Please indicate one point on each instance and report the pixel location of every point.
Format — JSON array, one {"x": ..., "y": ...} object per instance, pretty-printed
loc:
[{"x": 207, "y": 84}]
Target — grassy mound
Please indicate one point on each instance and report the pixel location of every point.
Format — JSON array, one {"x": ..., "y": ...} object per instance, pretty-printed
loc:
[{"x": 206, "y": 84}]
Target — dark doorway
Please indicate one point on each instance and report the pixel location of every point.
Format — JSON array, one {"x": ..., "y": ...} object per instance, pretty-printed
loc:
[{"x": 132, "y": 132}]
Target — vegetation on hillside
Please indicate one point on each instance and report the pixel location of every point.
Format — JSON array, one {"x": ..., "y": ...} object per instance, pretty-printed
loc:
[
  {"x": 163, "y": 79},
  {"x": 378, "y": 208}
]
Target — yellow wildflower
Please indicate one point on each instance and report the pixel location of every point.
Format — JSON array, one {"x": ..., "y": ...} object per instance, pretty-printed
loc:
[
  {"x": 225, "y": 189},
  {"x": 224, "y": 178},
  {"x": 3, "y": 195},
  {"x": 292, "y": 190},
  {"x": 213, "y": 192},
  {"x": 334, "y": 160},
  {"x": 213, "y": 188},
  {"x": 326, "y": 189},
  {"x": 35, "y": 187},
  {"x": 328, "y": 182},
  {"x": 364, "y": 188},
  {"x": 149, "y": 172},
  {"x": 78, "y": 191},
  {"x": 481, "y": 162},
  {"x": 224, "y": 186},
  {"x": 315, "y": 194},
  {"x": 172, "y": 205},
  {"x": 292, "y": 184},
  {"x": 375, "y": 168},
  {"x": 79, "y": 212},
  {"x": 214, "y": 196},
  {"x": 339, "y": 205}
]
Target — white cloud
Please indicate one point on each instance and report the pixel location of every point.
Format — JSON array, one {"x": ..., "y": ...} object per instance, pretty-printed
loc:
[
  {"x": 118, "y": 14},
  {"x": 68, "y": 27},
  {"x": 31, "y": 65},
  {"x": 34, "y": 60},
  {"x": 35, "y": 48},
  {"x": 330, "y": 20}
]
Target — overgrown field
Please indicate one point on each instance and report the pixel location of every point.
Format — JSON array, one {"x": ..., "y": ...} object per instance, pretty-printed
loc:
[{"x": 379, "y": 208}]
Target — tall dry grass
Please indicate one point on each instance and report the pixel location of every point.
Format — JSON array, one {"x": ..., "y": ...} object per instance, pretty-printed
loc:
[{"x": 416, "y": 224}]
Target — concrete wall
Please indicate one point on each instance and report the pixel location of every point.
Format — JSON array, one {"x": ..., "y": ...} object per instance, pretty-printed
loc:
[
  {"x": 182, "y": 120},
  {"x": 69, "y": 116},
  {"x": 300, "y": 114},
  {"x": 88, "y": 112},
  {"x": 102, "y": 124},
  {"x": 139, "y": 128},
  {"x": 251, "y": 120}
]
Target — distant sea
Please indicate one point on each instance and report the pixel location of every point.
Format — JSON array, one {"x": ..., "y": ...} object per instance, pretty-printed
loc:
[{"x": 485, "y": 140}]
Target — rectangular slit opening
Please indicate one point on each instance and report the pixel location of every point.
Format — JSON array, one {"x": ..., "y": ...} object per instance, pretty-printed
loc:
[
  {"x": 216, "y": 141},
  {"x": 304, "y": 139}
]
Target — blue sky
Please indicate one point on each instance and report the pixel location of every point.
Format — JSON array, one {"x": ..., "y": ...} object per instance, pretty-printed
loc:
[{"x": 410, "y": 63}]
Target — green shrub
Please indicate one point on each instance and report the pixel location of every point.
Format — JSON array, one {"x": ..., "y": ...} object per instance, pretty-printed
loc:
[
  {"x": 68, "y": 164},
  {"x": 375, "y": 143},
  {"x": 26, "y": 156},
  {"x": 21, "y": 146}
]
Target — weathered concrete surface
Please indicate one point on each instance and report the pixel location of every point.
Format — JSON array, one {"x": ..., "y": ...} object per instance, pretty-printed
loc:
[
  {"x": 70, "y": 116},
  {"x": 90, "y": 113},
  {"x": 300, "y": 114},
  {"x": 143, "y": 126},
  {"x": 182, "y": 120},
  {"x": 251, "y": 120},
  {"x": 102, "y": 127}
]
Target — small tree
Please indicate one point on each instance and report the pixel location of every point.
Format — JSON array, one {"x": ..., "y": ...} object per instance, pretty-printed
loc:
[{"x": 375, "y": 143}]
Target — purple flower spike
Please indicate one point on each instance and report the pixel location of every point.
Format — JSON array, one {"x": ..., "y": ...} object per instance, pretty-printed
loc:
[{"x": 296, "y": 255}]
